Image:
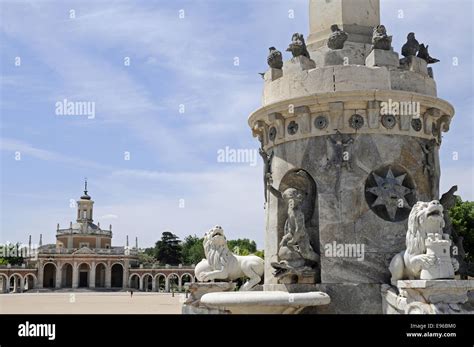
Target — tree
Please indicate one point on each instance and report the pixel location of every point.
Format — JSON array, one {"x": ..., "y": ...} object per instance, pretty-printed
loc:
[
  {"x": 192, "y": 250},
  {"x": 244, "y": 246},
  {"x": 145, "y": 258},
  {"x": 462, "y": 217},
  {"x": 168, "y": 249},
  {"x": 11, "y": 254}
]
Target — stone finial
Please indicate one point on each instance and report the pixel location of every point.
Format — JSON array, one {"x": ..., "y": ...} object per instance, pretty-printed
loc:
[
  {"x": 274, "y": 59},
  {"x": 337, "y": 38},
  {"x": 423, "y": 54},
  {"x": 411, "y": 47},
  {"x": 41, "y": 240},
  {"x": 380, "y": 39},
  {"x": 297, "y": 46},
  {"x": 57, "y": 226}
]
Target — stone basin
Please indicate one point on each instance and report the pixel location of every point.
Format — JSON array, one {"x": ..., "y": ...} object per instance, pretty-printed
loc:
[{"x": 264, "y": 302}]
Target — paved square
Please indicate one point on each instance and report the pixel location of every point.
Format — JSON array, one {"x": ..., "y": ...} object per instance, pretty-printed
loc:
[{"x": 91, "y": 303}]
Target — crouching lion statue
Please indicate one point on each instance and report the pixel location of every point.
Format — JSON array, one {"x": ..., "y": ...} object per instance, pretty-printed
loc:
[
  {"x": 222, "y": 264},
  {"x": 426, "y": 218}
]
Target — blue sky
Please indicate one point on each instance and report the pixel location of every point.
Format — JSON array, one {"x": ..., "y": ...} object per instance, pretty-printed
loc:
[{"x": 173, "y": 62}]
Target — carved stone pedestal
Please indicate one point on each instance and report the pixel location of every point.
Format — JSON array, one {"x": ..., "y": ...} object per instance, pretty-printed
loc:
[
  {"x": 415, "y": 64},
  {"x": 272, "y": 74},
  {"x": 193, "y": 304},
  {"x": 296, "y": 64},
  {"x": 380, "y": 57},
  {"x": 429, "y": 297}
]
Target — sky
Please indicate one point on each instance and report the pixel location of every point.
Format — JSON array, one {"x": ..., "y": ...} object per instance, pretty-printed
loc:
[{"x": 172, "y": 83}]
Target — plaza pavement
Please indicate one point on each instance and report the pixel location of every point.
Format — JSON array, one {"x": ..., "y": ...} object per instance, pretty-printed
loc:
[{"x": 91, "y": 303}]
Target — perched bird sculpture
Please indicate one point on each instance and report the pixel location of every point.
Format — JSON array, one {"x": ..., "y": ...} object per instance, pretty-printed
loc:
[
  {"x": 380, "y": 39},
  {"x": 423, "y": 54},
  {"x": 297, "y": 46},
  {"x": 275, "y": 59},
  {"x": 337, "y": 38},
  {"x": 411, "y": 47}
]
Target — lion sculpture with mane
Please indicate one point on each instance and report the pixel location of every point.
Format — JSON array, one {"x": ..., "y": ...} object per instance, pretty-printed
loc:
[
  {"x": 222, "y": 264},
  {"x": 425, "y": 218}
]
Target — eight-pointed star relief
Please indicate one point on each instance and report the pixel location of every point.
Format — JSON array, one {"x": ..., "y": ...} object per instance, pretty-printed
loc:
[{"x": 390, "y": 192}]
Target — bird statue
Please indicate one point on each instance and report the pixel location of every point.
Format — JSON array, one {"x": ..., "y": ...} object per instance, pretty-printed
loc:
[
  {"x": 423, "y": 54},
  {"x": 380, "y": 39},
  {"x": 411, "y": 46},
  {"x": 297, "y": 46},
  {"x": 262, "y": 74},
  {"x": 337, "y": 38},
  {"x": 274, "y": 59}
]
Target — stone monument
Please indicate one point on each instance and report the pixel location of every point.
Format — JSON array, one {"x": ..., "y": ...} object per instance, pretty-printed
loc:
[
  {"x": 347, "y": 135},
  {"x": 350, "y": 136}
]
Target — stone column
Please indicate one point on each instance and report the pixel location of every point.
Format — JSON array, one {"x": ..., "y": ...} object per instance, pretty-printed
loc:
[
  {"x": 356, "y": 17},
  {"x": 58, "y": 275},
  {"x": 92, "y": 276},
  {"x": 40, "y": 274},
  {"x": 167, "y": 284},
  {"x": 108, "y": 276},
  {"x": 75, "y": 275},
  {"x": 140, "y": 285},
  {"x": 22, "y": 284},
  {"x": 126, "y": 274},
  {"x": 179, "y": 283},
  {"x": 153, "y": 284}
]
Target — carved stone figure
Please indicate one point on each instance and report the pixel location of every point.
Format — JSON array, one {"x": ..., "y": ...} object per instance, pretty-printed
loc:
[
  {"x": 380, "y": 39},
  {"x": 429, "y": 168},
  {"x": 337, "y": 38},
  {"x": 423, "y": 54},
  {"x": 267, "y": 167},
  {"x": 341, "y": 155},
  {"x": 275, "y": 59},
  {"x": 295, "y": 252},
  {"x": 222, "y": 264},
  {"x": 411, "y": 47},
  {"x": 424, "y": 257},
  {"x": 297, "y": 46}
]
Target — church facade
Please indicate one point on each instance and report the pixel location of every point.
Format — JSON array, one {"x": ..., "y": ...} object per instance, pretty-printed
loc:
[{"x": 83, "y": 257}]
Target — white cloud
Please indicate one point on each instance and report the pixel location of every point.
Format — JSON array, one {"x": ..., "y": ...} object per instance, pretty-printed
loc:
[{"x": 27, "y": 150}]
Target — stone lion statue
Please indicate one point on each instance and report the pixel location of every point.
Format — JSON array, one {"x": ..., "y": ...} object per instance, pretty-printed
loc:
[
  {"x": 222, "y": 264},
  {"x": 425, "y": 219}
]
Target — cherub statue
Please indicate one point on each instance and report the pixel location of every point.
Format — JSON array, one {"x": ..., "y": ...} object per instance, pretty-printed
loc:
[
  {"x": 297, "y": 46},
  {"x": 380, "y": 39},
  {"x": 337, "y": 38}
]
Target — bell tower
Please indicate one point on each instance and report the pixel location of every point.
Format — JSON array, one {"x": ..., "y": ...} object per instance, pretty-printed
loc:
[{"x": 85, "y": 207}]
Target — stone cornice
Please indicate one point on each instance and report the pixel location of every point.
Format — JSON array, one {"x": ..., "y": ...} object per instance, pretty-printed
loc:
[{"x": 337, "y": 108}]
